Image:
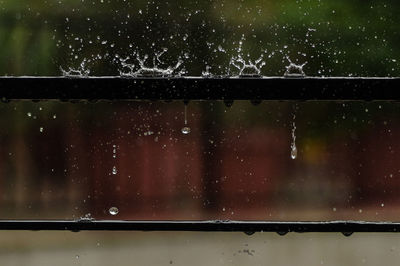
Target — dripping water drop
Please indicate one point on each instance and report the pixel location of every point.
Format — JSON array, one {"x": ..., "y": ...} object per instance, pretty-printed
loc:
[
  {"x": 185, "y": 130},
  {"x": 293, "y": 148}
]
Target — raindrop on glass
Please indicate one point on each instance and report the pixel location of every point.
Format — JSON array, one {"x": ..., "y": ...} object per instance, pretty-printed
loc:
[{"x": 113, "y": 210}]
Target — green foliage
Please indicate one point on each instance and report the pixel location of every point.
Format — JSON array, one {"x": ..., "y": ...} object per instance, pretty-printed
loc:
[{"x": 357, "y": 38}]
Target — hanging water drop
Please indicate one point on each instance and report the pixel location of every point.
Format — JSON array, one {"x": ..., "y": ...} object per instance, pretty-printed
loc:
[
  {"x": 293, "y": 148},
  {"x": 185, "y": 130},
  {"x": 113, "y": 211}
]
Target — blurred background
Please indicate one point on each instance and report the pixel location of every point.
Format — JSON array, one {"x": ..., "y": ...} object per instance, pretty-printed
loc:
[{"x": 335, "y": 38}]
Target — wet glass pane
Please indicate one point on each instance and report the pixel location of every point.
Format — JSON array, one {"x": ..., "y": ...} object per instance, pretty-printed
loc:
[
  {"x": 216, "y": 37},
  {"x": 103, "y": 249},
  {"x": 325, "y": 160}
]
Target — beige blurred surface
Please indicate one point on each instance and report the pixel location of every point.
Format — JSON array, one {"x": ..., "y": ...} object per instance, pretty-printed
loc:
[{"x": 166, "y": 248}]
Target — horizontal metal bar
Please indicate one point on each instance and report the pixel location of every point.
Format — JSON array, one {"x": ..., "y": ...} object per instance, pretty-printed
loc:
[
  {"x": 198, "y": 88},
  {"x": 249, "y": 227}
]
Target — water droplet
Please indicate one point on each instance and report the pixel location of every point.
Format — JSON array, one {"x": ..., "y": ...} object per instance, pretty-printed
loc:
[
  {"x": 77, "y": 257},
  {"x": 86, "y": 217},
  {"x": 148, "y": 133},
  {"x": 347, "y": 233},
  {"x": 29, "y": 114},
  {"x": 81, "y": 71},
  {"x": 185, "y": 130},
  {"x": 114, "y": 170},
  {"x": 54, "y": 116},
  {"x": 114, "y": 151},
  {"x": 293, "y": 152},
  {"x": 113, "y": 210},
  {"x": 293, "y": 148},
  {"x": 41, "y": 129}
]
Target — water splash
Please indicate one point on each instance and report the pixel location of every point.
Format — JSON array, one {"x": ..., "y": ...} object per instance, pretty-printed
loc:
[
  {"x": 246, "y": 67},
  {"x": 185, "y": 130},
  {"x": 294, "y": 70},
  {"x": 86, "y": 218},
  {"x": 293, "y": 148},
  {"x": 81, "y": 71},
  {"x": 206, "y": 73},
  {"x": 144, "y": 70}
]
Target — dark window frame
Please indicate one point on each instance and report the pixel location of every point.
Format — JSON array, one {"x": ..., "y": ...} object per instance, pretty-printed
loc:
[{"x": 254, "y": 89}]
